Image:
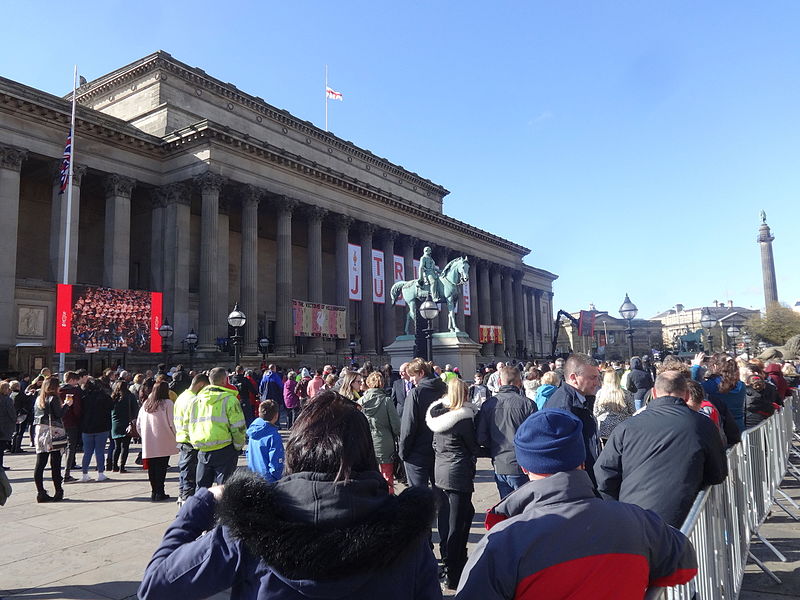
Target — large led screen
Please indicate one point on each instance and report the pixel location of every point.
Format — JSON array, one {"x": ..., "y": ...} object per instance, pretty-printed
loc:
[{"x": 96, "y": 319}]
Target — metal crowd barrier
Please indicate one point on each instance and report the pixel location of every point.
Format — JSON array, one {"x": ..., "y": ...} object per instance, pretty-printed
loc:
[{"x": 725, "y": 517}]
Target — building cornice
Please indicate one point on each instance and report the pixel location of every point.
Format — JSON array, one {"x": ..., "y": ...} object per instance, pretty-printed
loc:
[{"x": 162, "y": 61}]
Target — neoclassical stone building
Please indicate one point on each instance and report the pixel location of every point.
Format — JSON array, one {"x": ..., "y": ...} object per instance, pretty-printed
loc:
[{"x": 187, "y": 185}]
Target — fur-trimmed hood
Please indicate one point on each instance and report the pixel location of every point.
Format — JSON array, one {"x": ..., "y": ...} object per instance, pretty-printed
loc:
[
  {"x": 314, "y": 532},
  {"x": 440, "y": 418}
]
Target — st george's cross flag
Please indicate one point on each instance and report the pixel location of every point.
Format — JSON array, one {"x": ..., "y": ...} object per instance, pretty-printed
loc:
[
  {"x": 332, "y": 94},
  {"x": 64, "y": 173}
]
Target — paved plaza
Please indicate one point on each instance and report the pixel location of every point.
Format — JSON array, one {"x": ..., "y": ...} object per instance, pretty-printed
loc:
[{"x": 96, "y": 543}]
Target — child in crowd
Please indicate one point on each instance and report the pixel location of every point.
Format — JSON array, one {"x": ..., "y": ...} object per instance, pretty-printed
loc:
[{"x": 264, "y": 446}]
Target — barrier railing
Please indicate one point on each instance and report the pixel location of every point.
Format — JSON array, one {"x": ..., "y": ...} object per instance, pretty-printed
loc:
[{"x": 725, "y": 517}]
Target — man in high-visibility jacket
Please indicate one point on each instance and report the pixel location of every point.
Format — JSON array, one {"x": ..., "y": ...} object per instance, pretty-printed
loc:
[
  {"x": 216, "y": 430},
  {"x": 187, "y": 461}
]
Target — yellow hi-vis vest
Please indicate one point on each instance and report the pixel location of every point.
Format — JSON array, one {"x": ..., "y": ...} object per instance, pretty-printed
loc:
[
  {"x": 216, "y": 419},
  {"x": 181, "y": 416}
]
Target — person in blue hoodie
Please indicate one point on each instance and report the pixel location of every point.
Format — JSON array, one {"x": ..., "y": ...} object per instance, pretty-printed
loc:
[
  {"x": 264, "y": 445},
  {"x": 328, "y": 529},
  {"x": 548, "y": 384}
]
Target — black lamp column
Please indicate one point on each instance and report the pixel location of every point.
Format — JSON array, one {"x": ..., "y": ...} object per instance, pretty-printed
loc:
[
  {"x": 628, "y": 312},
  {"x": 236, "y": 320},
  {"x": 191, "y": 344},
  {"x": 429, "y": 311}
]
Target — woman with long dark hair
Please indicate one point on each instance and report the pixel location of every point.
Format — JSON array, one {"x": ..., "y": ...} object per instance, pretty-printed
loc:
[
  {"x": 95, "y": 427},
  {"x": 724, "y": 387},
  {"x": 157, "y": 429},
  {"x": 328, "y": 528},
  {"x": 123, "y": 412},
  {"x": 47, "y": 415}
]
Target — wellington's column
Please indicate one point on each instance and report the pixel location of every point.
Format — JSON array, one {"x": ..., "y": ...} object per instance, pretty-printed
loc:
[
  {"x": 765, "y": 239},
  {"x": 343, "y": 223},
  {"x": 284, "y": 326},
  {"x": 485, "y": 305},
  {"x": 58, "y": 217},
  {"x": 497, "y": 309},
  {"x": 388, "y": 236},
  {"x": 251, "y": 196},
  {"x": 315, "y": 214},
  {"x": 473, "y": 320},
  {"x": 177, "y": 224},
  {"x": 10, "y": 165},
  {"x": 117, "y": 245},
  {"x": 538, "y": 328},
  {"x": 508, "y": 314},
  {"x": 367, "y": 306},
  {"x": 519, "y": 313},
  {"x": 158, "y": 202},
  {"x": 210, "y": 186},
  {"x": 224, "y": 301}
]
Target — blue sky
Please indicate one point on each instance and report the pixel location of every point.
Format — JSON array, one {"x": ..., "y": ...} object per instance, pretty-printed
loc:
[{"x": 629, "y": 145}]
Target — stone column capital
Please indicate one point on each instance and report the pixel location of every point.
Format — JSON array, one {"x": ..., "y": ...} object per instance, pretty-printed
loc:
[
  {"x": 315, "y": 213},
  {"x": 407, "y": 240},
  {"x": 12, "y": 157},
  {"x": 209, "y": 182},
  {"x": 389, "y": 235},
  {"x": 118, "y": 185},
  {"x": 537, "y": 292},
  {"x": 506, "y": 271},
  {"x": 78, "y": 171},
  {"x": 517, "y": 275},
  {"x": 285, "y": 205},
  {"x": 251, "y": 195},
  {"x": 367, "y": 229},
  {"x": 343, "y": 221},
  {"x": 177, "y": 193}
]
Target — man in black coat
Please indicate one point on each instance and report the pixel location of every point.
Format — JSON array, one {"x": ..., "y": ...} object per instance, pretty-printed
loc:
[
  {"x": 400, "y": 389},
  {"x": 498, "y": 421},
  {"x": 661, "y": 458},
  {"x": 576, "y": 395}
]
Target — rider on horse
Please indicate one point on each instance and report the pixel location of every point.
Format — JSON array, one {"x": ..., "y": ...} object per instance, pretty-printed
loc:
[{"x": 429, "y": 274}]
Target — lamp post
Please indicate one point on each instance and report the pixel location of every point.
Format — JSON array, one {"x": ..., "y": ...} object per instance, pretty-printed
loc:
[
  {"x": 236, "y": 319},
  {"x": 191, "y": 344},
  {"x": 746, "y": 339},
  {"x": 708, "y": 322},
  {"x": 352, "y": 353},
  {"x": 165, "y": 331},
  {"x": 429, "y": 311},
  {"x": 733, "y": 331},
  {"x": 263, "y": 346},
  {"x": 628, "y": 312}
]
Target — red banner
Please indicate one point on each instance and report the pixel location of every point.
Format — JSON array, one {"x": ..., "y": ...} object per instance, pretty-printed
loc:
[
  {"x": 63, "y": 318},
  {"x": 156, "y": 316},
  {"x": 586, "y": 323},
  {"x": 490, "y": 334}
]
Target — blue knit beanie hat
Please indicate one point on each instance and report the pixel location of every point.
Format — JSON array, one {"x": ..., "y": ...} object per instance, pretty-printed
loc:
[{"x": 550, "y": 441}]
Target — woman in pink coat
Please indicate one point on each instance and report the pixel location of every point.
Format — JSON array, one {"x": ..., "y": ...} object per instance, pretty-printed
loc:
[{"x": 157, "y": 430}]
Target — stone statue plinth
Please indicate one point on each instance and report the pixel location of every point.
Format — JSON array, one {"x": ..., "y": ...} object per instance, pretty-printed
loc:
[{"x": 456, "y": 349}]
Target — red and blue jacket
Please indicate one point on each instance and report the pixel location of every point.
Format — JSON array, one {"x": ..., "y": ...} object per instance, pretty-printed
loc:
[{"x": 554, "y": 538}]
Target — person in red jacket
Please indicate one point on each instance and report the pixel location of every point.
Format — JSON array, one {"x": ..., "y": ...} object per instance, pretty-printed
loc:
[{"x": 554, "y": 538}]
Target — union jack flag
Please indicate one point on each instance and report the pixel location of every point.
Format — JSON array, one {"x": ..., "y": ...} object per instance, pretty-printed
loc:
[{"x": 64, "y": 174}]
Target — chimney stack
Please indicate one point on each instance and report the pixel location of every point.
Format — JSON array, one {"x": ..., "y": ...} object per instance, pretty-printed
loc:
[
  {"x": 716, "y": 304},
  {"x": 730, "y": 303}
]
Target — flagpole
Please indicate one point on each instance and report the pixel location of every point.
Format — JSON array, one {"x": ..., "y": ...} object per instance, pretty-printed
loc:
[
  {"x": 67, "y": 225},
  {"x": 326, "y": 98}
]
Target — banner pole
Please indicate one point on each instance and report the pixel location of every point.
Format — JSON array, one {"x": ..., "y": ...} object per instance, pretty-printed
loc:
[
  {"x": 326, "y": 98},
  {"x": 67, "y": 225}
]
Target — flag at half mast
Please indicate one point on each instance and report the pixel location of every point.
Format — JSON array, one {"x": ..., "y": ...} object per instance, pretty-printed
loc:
[{"x": 332, "y": 94}]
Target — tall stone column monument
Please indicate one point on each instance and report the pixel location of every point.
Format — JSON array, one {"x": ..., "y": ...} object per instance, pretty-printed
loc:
[{"x": 765, "y": 239}]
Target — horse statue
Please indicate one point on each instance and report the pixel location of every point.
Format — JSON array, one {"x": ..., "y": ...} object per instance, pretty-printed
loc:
[{"x": 454, "y": 275}]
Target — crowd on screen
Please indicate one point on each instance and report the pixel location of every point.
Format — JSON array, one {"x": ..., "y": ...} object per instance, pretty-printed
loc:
[
  {"x": 108, "y": 319},
  {"x": 348, "y": 468}
]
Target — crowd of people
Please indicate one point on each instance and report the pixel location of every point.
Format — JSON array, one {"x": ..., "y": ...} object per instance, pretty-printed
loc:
[{"x": 592, "y": 462}]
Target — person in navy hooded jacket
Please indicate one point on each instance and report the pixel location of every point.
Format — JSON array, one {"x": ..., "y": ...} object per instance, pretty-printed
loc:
[
  {"x": 328, "y": 529},
  {"x": 264, "y": 443}
]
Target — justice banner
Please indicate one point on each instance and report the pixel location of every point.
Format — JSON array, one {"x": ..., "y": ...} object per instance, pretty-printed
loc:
[
  {"x": 466, "y": 299},
  {"x": 354, "y": 271},
  {"x": 378, "y": 277},
  {"x": 490, "y": 334},
  {"x": 319, "y": 320}
]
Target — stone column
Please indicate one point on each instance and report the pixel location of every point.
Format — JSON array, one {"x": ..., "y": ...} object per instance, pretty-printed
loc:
[
  {"x": 519, "y": 312},
  {"x": 537, "y": 311},
  {"x": 10, "y": 165},
  {"x": 177, "y": 223},
  {"x": 117, "y": 243},
  {"x": 366, "y": 231},
  {"x": 343, "y": 223},
  {"x": 530, "y": 329},
  {"x": 315, "y": 214},
  {"x": 158, "y": 202},
  {"x": 284, "y": 326},
  {"x": 440, "y": 254},
  {"x": 497, "y": 308},
  {"x": 389, "y": 327},
  {"x": 461, "y": 319},
  {"x": 224, "y": 301},
  {"x": 485, "y": 305},
  {"x": 249, "y": 272},
  {"x": 473, "y": 321},
  {"x": 407, "y": 243},
  {"x": 210, "y": 186},
  {"x": 547, "y": 308},
  {"x": 508, "y": 314},
  {"x": 58, "y": 217}
]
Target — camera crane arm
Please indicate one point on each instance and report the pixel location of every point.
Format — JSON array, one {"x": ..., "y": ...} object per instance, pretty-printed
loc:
[{"x": 559, "y": 314}]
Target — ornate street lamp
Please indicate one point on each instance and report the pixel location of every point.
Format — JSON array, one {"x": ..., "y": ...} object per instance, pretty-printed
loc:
[
  {"x": 747, "y": 340},
  {"x": 352, "y": 352},
  {"x": 429, "y": 311},
  {"x": 236, "y": 320},
  {"x": 628, "y": 311},
  {"x": 191, "y": 344},
  {"x": 708, "y": 322},
  {"x": 263, "y": 347},
  {"x": 165, "y": 331},
  {"x": 733, "y": 331}
]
